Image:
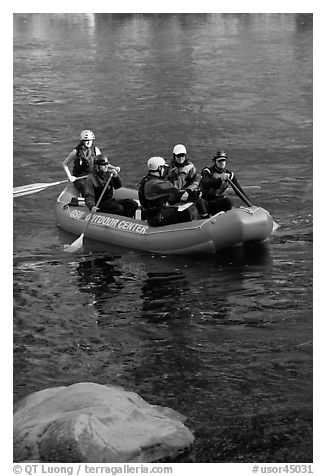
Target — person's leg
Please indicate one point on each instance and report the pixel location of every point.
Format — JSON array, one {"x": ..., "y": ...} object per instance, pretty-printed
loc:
[
  {"x": 226, "y": 204},
  {"x": 130, "y": 206},
  {"x": 168, "y": 216},
  {"x": 111, "y": 206},
  {"x": 171, "y": 215},
  {"x": 201, "y": 208},
  {"x": 79, "y": 184},
  {"x": 187, "y": 215},
  {"x": 219, "y": 205}
]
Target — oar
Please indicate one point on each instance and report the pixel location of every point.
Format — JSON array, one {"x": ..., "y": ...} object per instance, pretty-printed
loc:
[
  {"x": 37, "y": 187},
  {"x": 247, "y": 201},
  {"x": 183, "y": 206},
  {"x": 240, "y": 194},
  {"x": 77, "y": 244}
]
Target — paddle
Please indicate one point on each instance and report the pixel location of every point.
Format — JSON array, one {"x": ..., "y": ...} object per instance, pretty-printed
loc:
[
  {"x": 247, "y": 201},
  {"x": 37, "y": 187},
  {"x": 77, "y": 244},
  {"x": 183, "y": 207},
  {"x": 239, "y": 193}
]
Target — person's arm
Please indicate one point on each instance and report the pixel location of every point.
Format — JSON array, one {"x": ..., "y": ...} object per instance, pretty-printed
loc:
[
  {"x": 188, "y": 183},
  {"x": 192, "y": 179},
  {"x": 177, "y": 177},
  {"x": 207, "y": 180},
  {"x": 179, "y": 181},
  {"x": 184, "y": 177},
  {"x": 68, "y": 160},
  {"x": 164, "y": 190},
  {"x": 155, "y": 190},
  {"x": 116, "y": 180}
]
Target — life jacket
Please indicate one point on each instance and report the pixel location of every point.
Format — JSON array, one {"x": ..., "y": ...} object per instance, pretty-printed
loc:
[
  {"x": 84, "y": 160},
  {"x": 150, "y": 207},
  {"x": 210, "y": 192},
  {"x": 192, "y": 178}
]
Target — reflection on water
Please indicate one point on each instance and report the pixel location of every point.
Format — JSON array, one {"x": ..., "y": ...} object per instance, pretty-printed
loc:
[
  {"x": 168, "y": 286},
  {"x": 199, "y": 336}
]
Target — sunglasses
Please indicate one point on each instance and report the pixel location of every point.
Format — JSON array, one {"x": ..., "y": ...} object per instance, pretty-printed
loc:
[
  {"x": 104, "y": 163},
  {"x": 181, "y": 155},
  {"x": 220, "y": 160}
]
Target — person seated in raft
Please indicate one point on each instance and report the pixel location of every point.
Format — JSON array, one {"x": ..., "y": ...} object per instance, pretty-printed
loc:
[
  {"x": 95, "y": 183},
  {"x": 157, "y": 194},
  {"x": 82, "y": 157},
  {"x": 214, "y": 182},
  {"x": 184, "y": 176}
]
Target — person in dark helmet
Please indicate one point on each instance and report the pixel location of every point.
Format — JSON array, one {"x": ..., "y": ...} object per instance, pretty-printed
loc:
[
  {"x": 183, "y": 174},
  {"x": 157, "y": 194},
  {"x": 82, "y": 157},
  {"x": 214, "y": 182},
  {"x": 95, "y": 183}
]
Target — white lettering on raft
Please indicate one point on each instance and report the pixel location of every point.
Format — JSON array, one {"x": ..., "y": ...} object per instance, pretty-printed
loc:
[
  {"x": 111, "y": 222},
  {"x": 77, "y": 214}
]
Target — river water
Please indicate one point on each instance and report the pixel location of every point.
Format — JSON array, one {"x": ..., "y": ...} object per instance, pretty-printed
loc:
[{"x": 225, "y": 340}]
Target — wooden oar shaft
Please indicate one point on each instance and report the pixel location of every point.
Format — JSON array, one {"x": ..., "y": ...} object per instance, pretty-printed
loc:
[
  {"x": 97, "y": 204},
  {"x": 239, "y": 193}
]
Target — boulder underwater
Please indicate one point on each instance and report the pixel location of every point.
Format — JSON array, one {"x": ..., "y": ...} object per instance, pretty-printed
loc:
[{"x": 93, "y": 423}]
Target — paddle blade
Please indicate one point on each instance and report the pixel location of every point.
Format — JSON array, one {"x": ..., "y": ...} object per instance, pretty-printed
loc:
[
  {"x": 75, "y": 246},
  {"x": 184, "y": 206},
  {"x": 26, "y": 191}
]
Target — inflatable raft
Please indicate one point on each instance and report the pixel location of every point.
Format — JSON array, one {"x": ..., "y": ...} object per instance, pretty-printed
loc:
[{"x": 224, "y": 230}]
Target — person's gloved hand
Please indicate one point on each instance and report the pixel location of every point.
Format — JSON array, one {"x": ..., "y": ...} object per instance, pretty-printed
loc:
[
  {"x": 184, "y": 197},
  {"x": 227, "y": 176},
  {"x": 114, "y": 172},
  {"x": 72, "y": 178},
  {"x": 186, "y": 169},
  {"x": 94, "y": 209}
]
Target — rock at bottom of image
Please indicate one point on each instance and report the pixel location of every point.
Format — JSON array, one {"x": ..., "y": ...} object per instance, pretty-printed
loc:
[{"x": 92, "y": 423}]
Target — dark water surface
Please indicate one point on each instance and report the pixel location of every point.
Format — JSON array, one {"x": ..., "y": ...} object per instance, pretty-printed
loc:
[{"x": 226, "y": 340}]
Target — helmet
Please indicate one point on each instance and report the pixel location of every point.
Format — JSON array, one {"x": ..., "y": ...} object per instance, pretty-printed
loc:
[
  {"x": 101, "y": 160},
  {"x": 155, "y": 162},
  {"x": 179, "y": 149},
  {"x": 220, "y": 154},
  {"x": 87, "y": 135}
]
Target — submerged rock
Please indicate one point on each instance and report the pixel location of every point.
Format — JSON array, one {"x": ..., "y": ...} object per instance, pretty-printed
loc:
[{"x": 88, "y": 422}]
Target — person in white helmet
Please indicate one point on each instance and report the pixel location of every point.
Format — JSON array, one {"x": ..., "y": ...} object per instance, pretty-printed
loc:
[
  {"x": 183, "y": 174},
  {"x": 82, "y": 157},
  {"x": 157, "y": 194}
]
